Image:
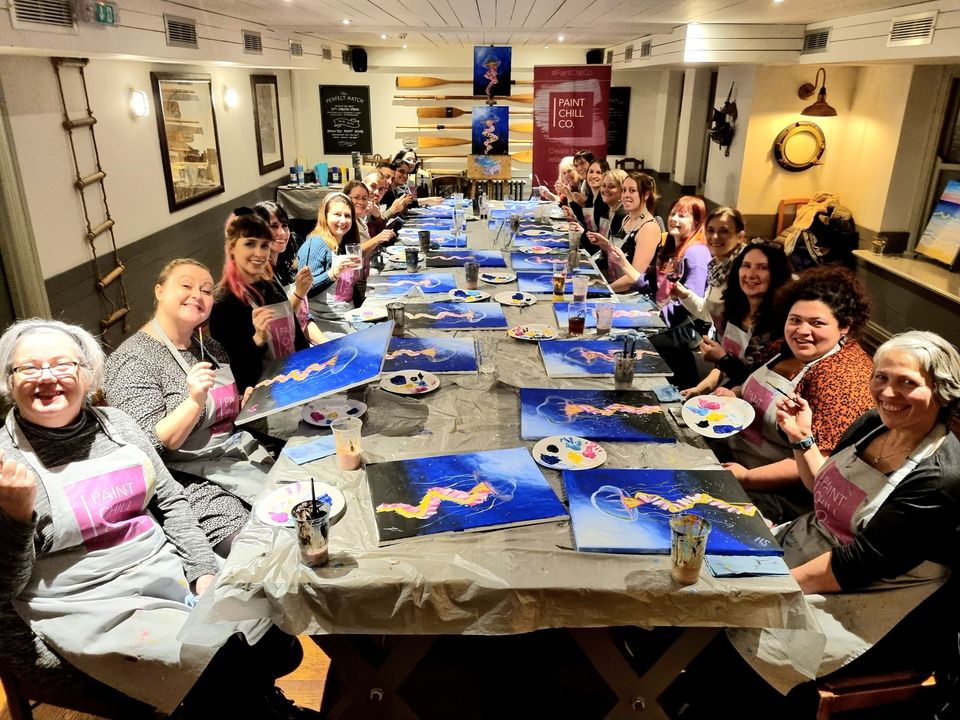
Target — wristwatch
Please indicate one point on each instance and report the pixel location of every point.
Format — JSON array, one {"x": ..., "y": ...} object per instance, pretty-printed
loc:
[{"x": 804, "y": 444}]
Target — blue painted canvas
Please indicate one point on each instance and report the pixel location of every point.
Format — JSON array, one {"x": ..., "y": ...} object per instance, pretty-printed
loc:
[
  {"x": 456, "y": 316},
  {"x": 439, "y": 239},
  {"x": 539, "y": 283},
  {"x": 332, "y": 367},
  {"x": 490, "y": 130},
  {"x": 457, "y": 258},
  {"x": 625, "y": 315},
  {"x": 557, "y": 242},
  {"x": 435, "y": 354},
  {"x": 456, "y": 493},
  {"x": 394, "y": 284},
  {"x": 629, "y": 511},
  {"x": 622, "y": 415},
  {"x": 491, "y": 70},
  {"x": 587, "y": 358},
  {"x": 544, "y": 263}
]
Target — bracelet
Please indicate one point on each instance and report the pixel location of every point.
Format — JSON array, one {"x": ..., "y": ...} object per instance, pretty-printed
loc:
[
  {"x": 805, "y": 444},
  {"x": 299, "y": 297}
]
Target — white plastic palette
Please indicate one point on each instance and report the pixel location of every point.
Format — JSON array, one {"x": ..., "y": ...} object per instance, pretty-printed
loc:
[
  {"x": 275, "y": 508},
  {"x": 517, "y": 299},
  {"x": 410, "y": 382},
  {"x": 497, "y": 278},
  {"x": 461, "y": 295},
  {"x": 533, "y": 332},
  {"x": 323, "y": 412},
  {"x": 717, "y": 416},
  {"x": 568, "y": 452}
]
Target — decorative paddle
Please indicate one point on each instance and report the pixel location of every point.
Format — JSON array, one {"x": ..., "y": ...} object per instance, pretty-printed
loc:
[
  {"x": 524, "y": 156},
  {"x": 431, "y": 142},
  {"x": 525, "y": 127},
  {"x": 450, "y": 112},
  {"x": 484, "y": 98},
  {"x": 421, "y": 81}
]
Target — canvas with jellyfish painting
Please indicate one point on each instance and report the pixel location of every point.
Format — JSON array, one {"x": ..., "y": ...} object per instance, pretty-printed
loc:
[
  {"x": 456, "y": 493},
  {"x": 436, "y": 354},
  {"x": 619, "y": 415},
  {"x": 629, "y": 510}
]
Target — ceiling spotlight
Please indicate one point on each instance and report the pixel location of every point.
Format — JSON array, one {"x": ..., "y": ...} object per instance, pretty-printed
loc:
[
  {"x": 546, "y": 47},
  {"x": 402, "y": 36},
  {"x": 345, "y": 21},
  {"x": 404, "y": 46},
  {"x": 383, "y": 37},
  {"x": 560, "y": 38}
]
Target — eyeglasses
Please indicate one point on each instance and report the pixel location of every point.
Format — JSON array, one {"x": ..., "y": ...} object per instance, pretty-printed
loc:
[{"x": 64, "y": 368}]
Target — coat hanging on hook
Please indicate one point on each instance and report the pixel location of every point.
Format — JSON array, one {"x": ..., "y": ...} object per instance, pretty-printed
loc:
[{"x": 721, "y": 129}]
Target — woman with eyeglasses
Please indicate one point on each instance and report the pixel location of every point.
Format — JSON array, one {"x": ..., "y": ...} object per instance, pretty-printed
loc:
[
  {"x": 370, "y": 228},
  {"x": 178, "y": 387},
  {"x": 252, "y": 316},
  {"x": 103, "y": 557}
]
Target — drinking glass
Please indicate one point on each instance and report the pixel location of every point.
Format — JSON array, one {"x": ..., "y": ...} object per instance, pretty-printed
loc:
[
  {"x": 471, "y": 271},
  {"x": 413, "y": 259},
  {"x": 559, "y": 279},
  {"x": 604, "y": 318},
  {"x": 688, "y": 545},
  {"x": 580, "y": 285},
  {"x": 576, "y": 317},
  {"x": 346, "y": 439}
]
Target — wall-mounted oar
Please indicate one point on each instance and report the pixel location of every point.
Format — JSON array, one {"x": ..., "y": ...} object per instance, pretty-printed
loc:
[
  {"x": 422, "y": 81},
  {"x": 429, "y": 142},
  {"x": 449, "y": 112},
  {"x": 524, "y": 156},
  {"x": 501, "y": 98},
  {"x": 524, "y": 127}
]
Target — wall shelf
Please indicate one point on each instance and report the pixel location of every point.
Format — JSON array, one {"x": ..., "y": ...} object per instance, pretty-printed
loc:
[{"x": 924, "y": 273}]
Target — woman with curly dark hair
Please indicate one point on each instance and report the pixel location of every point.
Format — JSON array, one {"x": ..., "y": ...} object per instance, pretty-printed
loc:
[
  {"x": 748, "y": 320},
  {"x": 818, "y": 360}
]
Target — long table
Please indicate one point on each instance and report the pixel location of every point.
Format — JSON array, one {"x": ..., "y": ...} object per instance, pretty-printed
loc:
[{"x": 505, "y": 582}]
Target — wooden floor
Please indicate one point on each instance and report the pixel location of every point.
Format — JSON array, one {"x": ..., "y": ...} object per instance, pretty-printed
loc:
[{"x": 304, "y": 686}]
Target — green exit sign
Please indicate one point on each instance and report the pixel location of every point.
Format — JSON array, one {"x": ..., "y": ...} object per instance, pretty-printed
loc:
[{"x": 105, "y": 13}]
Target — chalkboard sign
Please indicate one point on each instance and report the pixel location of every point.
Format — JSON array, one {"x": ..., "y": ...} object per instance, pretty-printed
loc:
[
  {"x": 619, "y": 117},
  {"x": 345, "y": 119}
]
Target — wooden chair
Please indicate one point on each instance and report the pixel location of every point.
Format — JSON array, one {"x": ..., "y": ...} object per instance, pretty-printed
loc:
[
  {"x": 445, "y": 185},
  {"x": 870, "y": 691},
  {"x": 629, "y": 164},
  {"x": 790, "y": 202},
  {"x": 22, "y": 699}
]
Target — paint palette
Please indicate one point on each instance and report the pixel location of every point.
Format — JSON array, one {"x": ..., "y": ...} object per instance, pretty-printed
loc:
[
  {"x": 275, "y": 508},
  {"x": 517, "y": 299},
  {"x": 397, "y": 251},
  {"x": 568, "y": 452},
  {"x": 366, "y": 314},
  {"x": 716, "y": 416},
  {"x": 497, "y": 278},
  {"x": 533, "y": 332},
  {"x": 461, "y": 295},
  {"x": 322, "y": 413},
  {"x": 537, "y": 250},
  {"x": 410, "y": 382}
]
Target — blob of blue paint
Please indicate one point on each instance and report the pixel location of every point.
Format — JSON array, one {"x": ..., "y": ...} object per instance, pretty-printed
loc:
[{"x": 725, "y": 429}]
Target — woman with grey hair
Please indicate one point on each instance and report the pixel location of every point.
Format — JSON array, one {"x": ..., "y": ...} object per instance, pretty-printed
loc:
[
  {"x": 877, "y": 550},
  {"x": 102, "y": 552}
]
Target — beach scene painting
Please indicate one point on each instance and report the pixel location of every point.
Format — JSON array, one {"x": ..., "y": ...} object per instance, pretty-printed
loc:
[
  {"x": 332, "y": 367},
  {"x": 629, "y": 510},
  {"x": 619, "y": 415},
  {"x": 595, "y": 358},
  {"x": 456, "y": 316},
  {"x": 483, "y": 490},
  {"x": 542, "y": 283},
  {"x": 395, "y": 284},
  {"x": 434, "y": 354},
  {"x": 625, "y": 315}
]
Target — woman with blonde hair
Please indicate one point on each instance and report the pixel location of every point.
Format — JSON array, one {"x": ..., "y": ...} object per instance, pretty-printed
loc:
[{"x": 334, "y": 271}]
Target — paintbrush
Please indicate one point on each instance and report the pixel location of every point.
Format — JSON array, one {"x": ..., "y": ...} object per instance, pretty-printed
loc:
[
  {"x": 200, "y": 330},
  {"x": 785, "y": 394},
  {"x": 314, "y": 509}
]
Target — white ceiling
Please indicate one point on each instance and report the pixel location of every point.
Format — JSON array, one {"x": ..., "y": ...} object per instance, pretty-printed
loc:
[{"x": 465, "y": 23}]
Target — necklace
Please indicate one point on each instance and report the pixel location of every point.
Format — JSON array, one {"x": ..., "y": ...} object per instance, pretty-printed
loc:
[{"x": 883, "y": 446}]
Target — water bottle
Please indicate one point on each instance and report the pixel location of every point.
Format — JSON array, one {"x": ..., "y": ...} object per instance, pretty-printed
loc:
[
  {"x": 484, "y": 206},
  {"x": 300, "y": 179},
  {"x": 293, "y": 174}
]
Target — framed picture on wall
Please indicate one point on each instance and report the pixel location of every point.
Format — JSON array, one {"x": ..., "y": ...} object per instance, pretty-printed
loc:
[
  {"x": 266, "y": 121},
  {"x": 189, "y": 145}
]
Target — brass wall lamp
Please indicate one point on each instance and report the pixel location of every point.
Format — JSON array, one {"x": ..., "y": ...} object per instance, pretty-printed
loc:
[{"x": 820, "y": 108}]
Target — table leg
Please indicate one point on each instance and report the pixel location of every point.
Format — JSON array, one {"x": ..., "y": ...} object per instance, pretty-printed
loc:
[
  {"x": 370, "y": 691},
  {"x": 639, "y": 696}
]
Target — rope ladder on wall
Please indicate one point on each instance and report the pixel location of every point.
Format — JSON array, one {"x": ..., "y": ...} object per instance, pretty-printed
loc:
[{"x": 109, "y": 284}]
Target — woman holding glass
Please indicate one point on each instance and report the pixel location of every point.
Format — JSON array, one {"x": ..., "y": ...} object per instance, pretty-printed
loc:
[{"x": 252, "y": 317}]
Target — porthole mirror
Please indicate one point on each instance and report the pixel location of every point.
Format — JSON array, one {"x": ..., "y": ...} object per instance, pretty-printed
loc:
[{"x": 799, "y": 146}]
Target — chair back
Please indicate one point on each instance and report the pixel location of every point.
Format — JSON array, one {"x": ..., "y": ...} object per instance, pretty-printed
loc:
[{"x": 629, "y": 164}]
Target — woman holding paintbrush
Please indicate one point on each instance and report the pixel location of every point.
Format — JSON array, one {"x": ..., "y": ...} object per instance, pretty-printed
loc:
[
  {"x": 818, "y": 360},
  {"x": 176, "y": 384}
]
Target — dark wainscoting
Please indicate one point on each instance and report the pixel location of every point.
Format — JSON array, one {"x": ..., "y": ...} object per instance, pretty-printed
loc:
[{"x": 73, "y": 296}]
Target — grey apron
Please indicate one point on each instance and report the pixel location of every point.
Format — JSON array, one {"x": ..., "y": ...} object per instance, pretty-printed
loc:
[
  {"x": 109, "y": 597},
  {"x": 214, "y": 451},
  {"x": 847, "y": 494}
]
